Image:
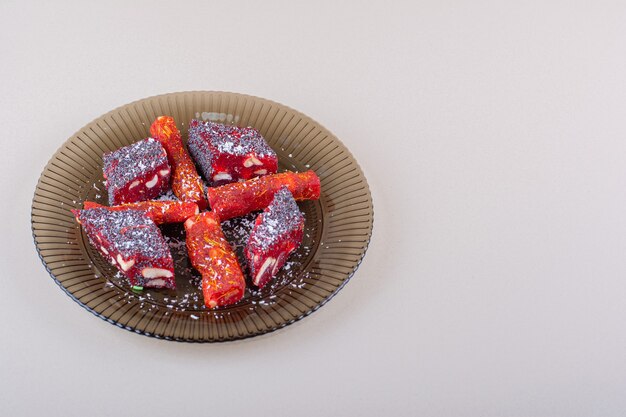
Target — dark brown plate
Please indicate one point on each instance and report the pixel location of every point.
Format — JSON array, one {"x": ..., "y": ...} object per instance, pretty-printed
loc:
[{"x": 337, "y": 231}]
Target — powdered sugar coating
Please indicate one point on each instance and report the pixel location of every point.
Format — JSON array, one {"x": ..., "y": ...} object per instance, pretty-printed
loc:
[
  {"x": 279, "y": 218},
  {"x": 230, "y": 139},
  {"x": 130, "y": 162},
  {"x": 208, "y": 141},
  {"x": 199, "y": 149},
  {"x": 129, "y": 232}
]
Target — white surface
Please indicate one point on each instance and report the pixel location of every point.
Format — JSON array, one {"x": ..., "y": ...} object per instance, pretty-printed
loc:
[{"x": 493, "y": 139}]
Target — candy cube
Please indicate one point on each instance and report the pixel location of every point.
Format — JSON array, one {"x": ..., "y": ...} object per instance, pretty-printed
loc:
[
  {"x": 136, "y": 172},
  {"x": 277, "y": 232},
  {"x": 228, "y": 153},
  {"x": 132, "y": 242}
]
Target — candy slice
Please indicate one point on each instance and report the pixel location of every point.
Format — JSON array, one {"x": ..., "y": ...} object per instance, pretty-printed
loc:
[
  {"x": 210, "y": 253},
  {"x": 277, "y": 232},
  {"x": 159, "y": 211},
  {"x": 228, "y": 153},
  {"x": 136, "y": 172},
  {"x": 237, "y": 199},
  {"x": 186, "y": 183},
  {"x": 132, "y": 242}
]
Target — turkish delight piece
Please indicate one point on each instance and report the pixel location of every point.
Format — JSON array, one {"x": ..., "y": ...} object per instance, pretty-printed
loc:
[
  {"x": 223, "y": 282},
  {"x": 136, "y": 172},
  {"x": 132, "y": 242},
  {"x": 228, "y": 153},
  {"x": 186, "y": 183},
  {"x": 160, "y": 212},
  {"x": 238, "y": 199},
  {"x": 277, "y": 232}
]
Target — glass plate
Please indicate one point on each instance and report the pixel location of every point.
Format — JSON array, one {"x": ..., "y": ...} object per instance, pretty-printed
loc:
[{"x": 337, "y": 231}]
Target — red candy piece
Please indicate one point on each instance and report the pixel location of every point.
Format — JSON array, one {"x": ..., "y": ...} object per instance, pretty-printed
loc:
[
  {"x": 237, "y": 199},
  {"x": 159, "y": 211},
  {"x": 132, "y": 242},
  {"x": 210, "y": 253},
  {"x": 277, "y": 232},
  {"x": 228, "y": 153},
  {"x": 186, "y": 183},
  {"x": 136, "y": 172}
]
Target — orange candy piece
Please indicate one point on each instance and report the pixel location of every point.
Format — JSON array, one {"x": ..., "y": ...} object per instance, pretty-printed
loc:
[
  {"x": 186, "y": 183},
  {"x": 223, "y": 282},
  {"x": 159, "y": 211},
  {"x": 240, "y": 198}
]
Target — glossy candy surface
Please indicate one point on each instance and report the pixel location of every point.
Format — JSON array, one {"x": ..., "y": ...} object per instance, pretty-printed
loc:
[
  {"x": 186, "y": 183},
  {"x": 237, "y": 199},
  {"x": 223, "y": 282}
]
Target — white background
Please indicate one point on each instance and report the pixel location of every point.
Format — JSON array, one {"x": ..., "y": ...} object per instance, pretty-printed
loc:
[{"x": 493, "y": 137}]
